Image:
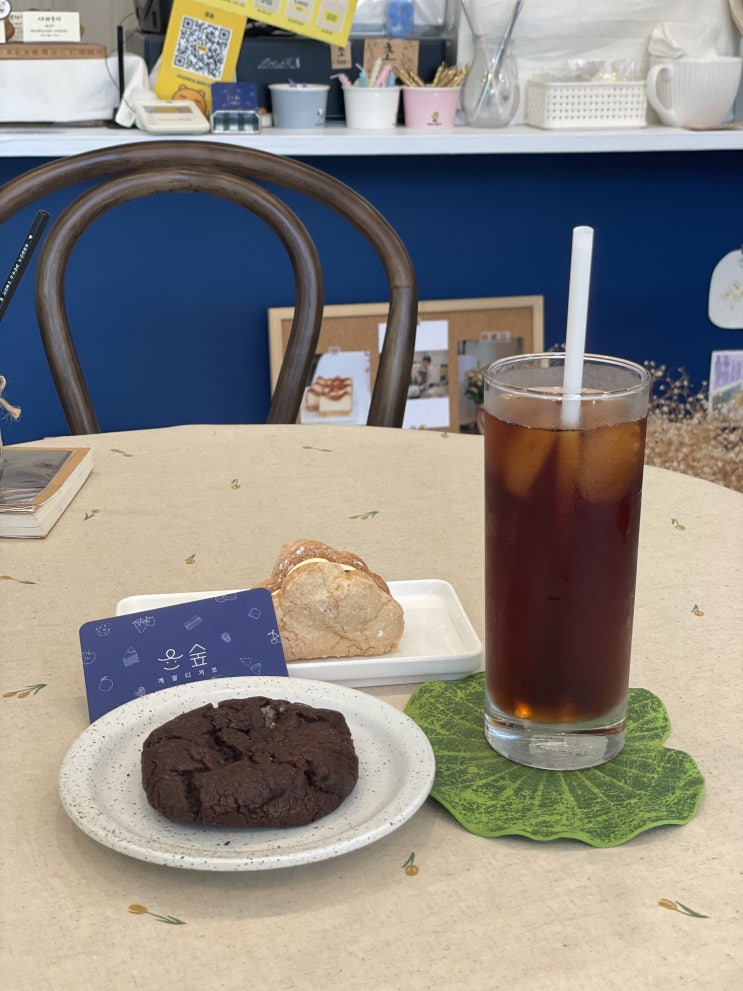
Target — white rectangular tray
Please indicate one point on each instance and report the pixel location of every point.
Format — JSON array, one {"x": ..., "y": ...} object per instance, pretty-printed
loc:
[{"x": 439, "y": 640}]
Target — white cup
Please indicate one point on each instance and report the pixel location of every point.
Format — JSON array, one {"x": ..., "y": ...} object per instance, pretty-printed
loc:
[
  {"x": 298, "y": 106},
  {"x": 696, "y": 93},
  {"x": 371, "y": 107}
]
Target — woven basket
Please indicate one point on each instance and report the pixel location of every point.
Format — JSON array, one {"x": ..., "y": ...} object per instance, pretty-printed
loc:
[{"x": 556, "y": 105}]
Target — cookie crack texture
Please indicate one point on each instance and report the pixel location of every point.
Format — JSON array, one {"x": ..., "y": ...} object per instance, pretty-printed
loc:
[
  {"x": 250, "y": 762},
  {"x": 325, "y": 611},
  {"x": 329, "y": 604}
]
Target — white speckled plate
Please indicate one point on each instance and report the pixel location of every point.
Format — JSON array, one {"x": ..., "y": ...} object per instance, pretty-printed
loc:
[{"x": 101, "y": 790}]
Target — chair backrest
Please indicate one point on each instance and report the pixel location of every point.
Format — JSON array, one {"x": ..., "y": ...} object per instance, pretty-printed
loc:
[{"x": 131, "y": 171}]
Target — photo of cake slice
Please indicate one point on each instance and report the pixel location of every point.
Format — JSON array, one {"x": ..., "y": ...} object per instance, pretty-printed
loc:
[
  {"x": 312, "y": 398},
  {"x": 330, "y": 396},
  {"x": 329, "y": 604}
]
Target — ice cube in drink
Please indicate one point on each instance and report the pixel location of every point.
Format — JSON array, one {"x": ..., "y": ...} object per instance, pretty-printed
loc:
[{"x": 608, "y": 460}]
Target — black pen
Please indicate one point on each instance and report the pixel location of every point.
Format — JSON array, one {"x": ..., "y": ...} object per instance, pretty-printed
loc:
[{"x": 24, "y": 257}]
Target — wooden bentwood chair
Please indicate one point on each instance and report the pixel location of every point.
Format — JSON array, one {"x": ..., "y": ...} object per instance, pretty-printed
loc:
[{"x": 146, "y": 168}]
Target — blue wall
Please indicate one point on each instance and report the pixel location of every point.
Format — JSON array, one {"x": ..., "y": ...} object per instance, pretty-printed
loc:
[{"x": 168, "y": 298}]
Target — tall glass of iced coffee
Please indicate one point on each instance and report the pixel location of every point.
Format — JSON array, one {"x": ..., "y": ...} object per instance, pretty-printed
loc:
[{"x": 563, "y": 484}]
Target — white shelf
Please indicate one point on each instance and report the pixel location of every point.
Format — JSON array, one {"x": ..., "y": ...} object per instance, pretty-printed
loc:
[{"x": 35, "y": 141}]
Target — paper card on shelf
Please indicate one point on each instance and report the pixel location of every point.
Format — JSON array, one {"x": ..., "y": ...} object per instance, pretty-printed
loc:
[
  {"x": 202, "y": 45},
  {"x": 403, "y": 52},
  {"x": 230, "y": 634},
  {"x": 46, "y": 25}
]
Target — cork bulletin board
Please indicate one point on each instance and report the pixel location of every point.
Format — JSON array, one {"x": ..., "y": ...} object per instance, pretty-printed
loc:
[{"x": 454, "y": 335}]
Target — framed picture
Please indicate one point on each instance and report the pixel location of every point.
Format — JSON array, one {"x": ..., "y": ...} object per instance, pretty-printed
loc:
[
  {"x": 726, "y": 383},
  {"x": 454, "y": 337}
]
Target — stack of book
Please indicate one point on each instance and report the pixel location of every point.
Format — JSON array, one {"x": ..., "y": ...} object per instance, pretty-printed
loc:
[{"x": 37, "y": 484}]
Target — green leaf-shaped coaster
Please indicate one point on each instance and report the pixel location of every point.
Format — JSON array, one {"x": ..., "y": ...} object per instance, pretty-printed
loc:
[{"x": 646, "y": 785}]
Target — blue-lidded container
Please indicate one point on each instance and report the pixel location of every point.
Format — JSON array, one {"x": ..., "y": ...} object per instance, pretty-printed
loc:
[{"x": 400, "y": 18}]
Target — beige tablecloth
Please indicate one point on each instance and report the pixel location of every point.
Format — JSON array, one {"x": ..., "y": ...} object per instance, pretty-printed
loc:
[{"x": 198, "y": 508}]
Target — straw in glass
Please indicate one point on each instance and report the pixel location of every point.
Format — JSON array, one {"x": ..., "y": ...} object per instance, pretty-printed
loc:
[{"x": 575, "y": 338}]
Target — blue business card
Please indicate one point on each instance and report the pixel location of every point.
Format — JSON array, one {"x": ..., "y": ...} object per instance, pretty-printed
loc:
[{"x": 126, "y": 657}]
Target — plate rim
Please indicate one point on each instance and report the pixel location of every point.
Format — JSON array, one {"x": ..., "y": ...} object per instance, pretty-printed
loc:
[{"x": 75, "y": 778}]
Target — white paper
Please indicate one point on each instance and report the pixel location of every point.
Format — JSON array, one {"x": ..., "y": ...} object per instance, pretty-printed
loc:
[
  {"x": 428, "y": 393},
  {"x": 547, "y": 33}
]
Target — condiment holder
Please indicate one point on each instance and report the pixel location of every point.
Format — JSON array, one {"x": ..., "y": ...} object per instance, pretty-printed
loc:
[
  {"x": 298, "y": 106},
  {"x": 430, "y": 106},
  {"x": 372, "y": 101},
  {"x": 371, "y": 108},
  {"x": 433, "y": 105}
]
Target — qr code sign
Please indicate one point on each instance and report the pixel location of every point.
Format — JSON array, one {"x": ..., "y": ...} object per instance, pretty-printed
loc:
[{"x": 202, "y": 47}]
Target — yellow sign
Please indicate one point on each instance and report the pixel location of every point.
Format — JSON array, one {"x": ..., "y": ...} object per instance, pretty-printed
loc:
[
  {"x": 203, "y": 40},
  {"x": 326, "y": 20},
  {"x": 201, "y": 47}
]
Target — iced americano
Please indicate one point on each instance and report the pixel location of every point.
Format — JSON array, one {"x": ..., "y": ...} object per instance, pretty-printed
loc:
[{"x": 562, "y": 514}]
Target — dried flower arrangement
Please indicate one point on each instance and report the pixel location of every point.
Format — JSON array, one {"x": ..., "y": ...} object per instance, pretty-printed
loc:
[{"x": 685, "y": 436}]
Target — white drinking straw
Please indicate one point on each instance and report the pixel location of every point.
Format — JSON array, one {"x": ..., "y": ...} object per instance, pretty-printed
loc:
[{"x": 575, "y": 338}]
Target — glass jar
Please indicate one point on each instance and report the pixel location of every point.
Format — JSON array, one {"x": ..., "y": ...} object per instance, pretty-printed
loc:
[{"x": 490, "y": 99}]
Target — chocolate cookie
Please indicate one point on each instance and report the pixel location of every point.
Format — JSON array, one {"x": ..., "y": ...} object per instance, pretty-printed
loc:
[{"x": 250, "y": 762}]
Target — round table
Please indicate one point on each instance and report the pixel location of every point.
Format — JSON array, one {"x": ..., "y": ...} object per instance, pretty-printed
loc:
[{"x": 196, "y": 508}]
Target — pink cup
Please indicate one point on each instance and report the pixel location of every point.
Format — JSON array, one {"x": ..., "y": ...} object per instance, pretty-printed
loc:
[{"x": 430, "y": 106}]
